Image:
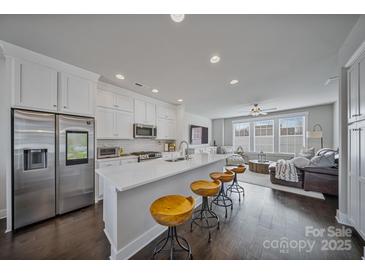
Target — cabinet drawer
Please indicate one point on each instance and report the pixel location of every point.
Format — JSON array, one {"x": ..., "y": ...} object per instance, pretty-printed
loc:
[{"x": 109, "y": 163}]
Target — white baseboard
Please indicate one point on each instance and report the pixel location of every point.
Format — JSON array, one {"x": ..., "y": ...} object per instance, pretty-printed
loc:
[
  {"x": 2, "y": 213},
  {"x": 139, "y": 243},
  {"x": 341, "y": 218}
]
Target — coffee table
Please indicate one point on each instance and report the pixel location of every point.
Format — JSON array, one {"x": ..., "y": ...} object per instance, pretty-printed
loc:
[{"x": 259, "y": 167}]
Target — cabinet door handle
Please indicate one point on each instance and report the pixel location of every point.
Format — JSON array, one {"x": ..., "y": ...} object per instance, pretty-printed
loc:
[
  {"x": 64, "y": 107},
  {"x": 55, "y": 105},
  {"x": 116, "y": 106},
  {"x": 356, "y": 115}
]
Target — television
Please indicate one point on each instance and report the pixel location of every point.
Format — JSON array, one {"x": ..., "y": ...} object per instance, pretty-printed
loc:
[{"x": 198, "y": 135}]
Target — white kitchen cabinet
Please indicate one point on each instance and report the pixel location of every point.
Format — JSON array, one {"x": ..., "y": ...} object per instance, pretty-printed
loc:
[
  {"x": 361, "y": 113},
  {"x": 353, "y": 92},
  {"x": 353, "y": 176},
  {"x": 114, "y": 100},
  {"x": 361, "y": 176},
  {"x": 104, "y": 123},
  {"x": 123, "y": 125},
  {"x": 35, "y": 86},
  {"x": 166, "y": 129},
  {"x": 128, "y": 161},
  {"x": 76, "y": 95},
  {"x": 113, "y": 124},
  {"x": 144, "y": 112},
  {"x": 164, "y": 112}
]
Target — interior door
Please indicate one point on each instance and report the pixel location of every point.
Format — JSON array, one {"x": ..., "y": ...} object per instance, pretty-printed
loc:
[
  {"x": 75, "y": 173},
  {"x": 33, "y": 166}
]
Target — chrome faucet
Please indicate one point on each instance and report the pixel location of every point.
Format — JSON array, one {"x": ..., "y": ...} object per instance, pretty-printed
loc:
[{"x": 187, "y": 155}]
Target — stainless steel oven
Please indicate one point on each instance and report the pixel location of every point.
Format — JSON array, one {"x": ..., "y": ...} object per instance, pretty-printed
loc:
[
  {"x": 144, "y": 131},
  {"x": 107, "y": 152}
]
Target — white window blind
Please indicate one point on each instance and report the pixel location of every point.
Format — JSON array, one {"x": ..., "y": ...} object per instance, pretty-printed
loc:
[{"x": 241, "y": 136}]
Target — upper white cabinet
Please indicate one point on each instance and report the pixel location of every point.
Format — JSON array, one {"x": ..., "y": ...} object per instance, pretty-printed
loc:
[
  {"x": 114, "y": 100},
  {"x": 166, "y": 129},
  {"x": 76, "y": 95},
  {"x": 361, "y": 112},
  {"x": 164, "y": 112},
  {"x": 35, "y": 86},
  {"x": 353, "y": 93},
  {"x": 113, "y": 124},
  {"x": 356, "y": 91},
  {"x": 144, "y": 112}
]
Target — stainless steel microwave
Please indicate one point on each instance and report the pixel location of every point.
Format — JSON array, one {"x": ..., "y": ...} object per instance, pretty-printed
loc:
[{"x": 144, "y": 131}]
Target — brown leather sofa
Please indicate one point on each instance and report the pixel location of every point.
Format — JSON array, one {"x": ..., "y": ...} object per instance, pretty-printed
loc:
[
  {"x": 318, "y": 179},
  {"x": 321, "y": 179}
]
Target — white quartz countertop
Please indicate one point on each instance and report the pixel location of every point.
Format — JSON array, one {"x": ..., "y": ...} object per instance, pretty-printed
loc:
[{"x": 137, "y": 174}]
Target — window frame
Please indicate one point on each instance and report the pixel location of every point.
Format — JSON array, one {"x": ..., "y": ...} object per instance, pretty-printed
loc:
[
  {"x": 303, "y": 134},
  {"x": 273, "y": 134},
  {"x": 276, "y": 118},
  {"x": 249, "y": 135}
]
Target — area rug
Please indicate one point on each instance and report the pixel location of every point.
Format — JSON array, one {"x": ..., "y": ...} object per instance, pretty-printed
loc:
[{"x": 264, "y": 180}]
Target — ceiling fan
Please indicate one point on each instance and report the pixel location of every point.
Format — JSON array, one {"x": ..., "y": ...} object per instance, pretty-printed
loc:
[{"x": 256, "y": 110}]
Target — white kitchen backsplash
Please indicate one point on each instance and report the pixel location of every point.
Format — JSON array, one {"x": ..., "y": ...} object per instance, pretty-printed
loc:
[{"x": 133, "y": 145}]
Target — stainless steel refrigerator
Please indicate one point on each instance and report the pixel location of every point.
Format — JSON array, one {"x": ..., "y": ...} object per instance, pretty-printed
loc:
[{"x": 52, "y": 163}]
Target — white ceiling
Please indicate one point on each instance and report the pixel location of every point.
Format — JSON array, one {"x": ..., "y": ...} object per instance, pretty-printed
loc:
[{"x": 280, "y": 60}]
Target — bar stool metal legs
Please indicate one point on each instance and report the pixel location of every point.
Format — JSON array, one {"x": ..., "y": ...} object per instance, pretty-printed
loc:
[
  {"x": 236, "y": 188},
  {"x": 222, "y": 200},
  {"x": 203, "y": 215},
  {"x": 176, "y": 244}
]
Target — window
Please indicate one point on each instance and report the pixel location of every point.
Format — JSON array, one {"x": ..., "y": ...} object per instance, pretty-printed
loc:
[
  {"x": 264, "y": 136},
  {"x": 291, "y": 134},
  {"x": 241, "y": 136}
]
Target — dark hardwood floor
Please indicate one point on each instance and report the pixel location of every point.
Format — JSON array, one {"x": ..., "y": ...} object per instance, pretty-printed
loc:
[{"x": 264, "y": 214}]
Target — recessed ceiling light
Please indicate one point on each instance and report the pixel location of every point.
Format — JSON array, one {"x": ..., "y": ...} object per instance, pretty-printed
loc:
[
  {"x": 120, "y": 76},
  {"x": 177, "y": 18},
  {"x": 155, "y": 90},
  {"x": 180, "y": 100},
  {"x": 215, "y": 59},
  {"x": 233, "y": 82}
]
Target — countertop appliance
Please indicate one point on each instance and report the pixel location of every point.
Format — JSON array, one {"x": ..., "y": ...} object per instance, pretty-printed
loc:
[
  {"x": 147, "y": 155},
  {"x": 52, "y": 165},
  {"x": 144, "y": 131},
  {"x": 107, "y": 152}
]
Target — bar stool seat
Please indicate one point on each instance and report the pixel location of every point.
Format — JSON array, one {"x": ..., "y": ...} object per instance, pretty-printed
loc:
[
  {"x": 171, "y": 211},
  {"x": 202, "y": 216},
  {"x": 222, "y": 199},
  {"x": 235, "y": 186}
]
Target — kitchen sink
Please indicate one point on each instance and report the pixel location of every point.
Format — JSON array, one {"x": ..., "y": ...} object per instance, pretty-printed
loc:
[{"x": 176, "y": 159}]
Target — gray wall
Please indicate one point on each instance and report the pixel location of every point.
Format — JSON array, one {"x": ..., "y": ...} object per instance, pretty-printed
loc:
[{"x": 322, "y": 115}]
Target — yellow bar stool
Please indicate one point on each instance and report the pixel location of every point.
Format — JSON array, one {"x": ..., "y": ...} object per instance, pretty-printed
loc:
[
  {"x": 202, "y": 216},
  {"x": 171, "y": 211},
  {"x": 222, "y": 199},
  {"x": 235, "y": 186}
]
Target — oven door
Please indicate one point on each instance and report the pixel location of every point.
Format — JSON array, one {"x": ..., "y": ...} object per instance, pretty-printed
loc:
[{"x": 144, "y": 131}]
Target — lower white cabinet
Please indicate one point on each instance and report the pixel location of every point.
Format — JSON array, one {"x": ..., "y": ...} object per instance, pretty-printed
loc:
[
  {"x": 356, "y": 178},
  {"x": 113, "y": 124},
  {"x": 99, "y": 184},
  {"x": 166, "y": 129}
]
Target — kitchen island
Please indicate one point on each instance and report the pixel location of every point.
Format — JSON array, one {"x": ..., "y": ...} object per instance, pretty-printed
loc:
[{"x": 129, "y": 191}]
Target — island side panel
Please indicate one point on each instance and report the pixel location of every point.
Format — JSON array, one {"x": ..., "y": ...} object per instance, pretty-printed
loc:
[{"x": 135, "y": 226}]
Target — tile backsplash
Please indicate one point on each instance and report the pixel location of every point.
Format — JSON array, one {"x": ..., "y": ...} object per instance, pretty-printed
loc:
[{"x": 133, "y": 145}]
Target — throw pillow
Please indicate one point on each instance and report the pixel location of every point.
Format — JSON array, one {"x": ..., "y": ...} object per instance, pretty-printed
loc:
[{"x": 326, "y": 160}]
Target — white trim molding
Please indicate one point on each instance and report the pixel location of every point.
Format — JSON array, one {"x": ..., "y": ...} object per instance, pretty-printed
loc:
[
  {"x": 356, "y": 55},
  {"x": 342, "y": 218}
]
